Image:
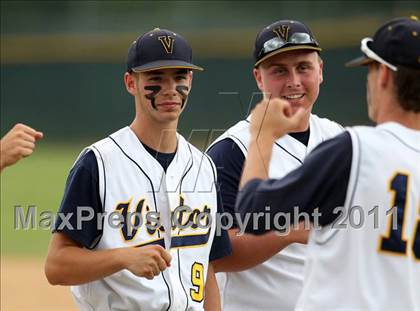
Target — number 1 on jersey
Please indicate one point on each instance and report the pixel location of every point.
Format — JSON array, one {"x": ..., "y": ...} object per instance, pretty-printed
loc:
[{"x": 394, "y": 241}]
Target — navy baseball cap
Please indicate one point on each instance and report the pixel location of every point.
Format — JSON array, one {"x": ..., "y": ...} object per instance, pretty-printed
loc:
[
  {"x": 160, "y": 49},
  {"x": 396, "y": 43},
  {"x": 283, "y": 36}
]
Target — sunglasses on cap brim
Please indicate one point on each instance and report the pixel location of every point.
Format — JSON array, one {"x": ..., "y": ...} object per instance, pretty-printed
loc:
[{"x": 277, "y": 42}]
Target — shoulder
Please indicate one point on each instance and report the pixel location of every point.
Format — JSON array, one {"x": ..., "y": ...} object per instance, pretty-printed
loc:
[
  {"x": 238, "y": 133},
  {"x": 335, "y": 147},
  {"x": 109, "y": 143},
  {"x": 360, "y": 134},
  {"x": 226, "y": 150},
  {"x": 85, "y": 169},
  {"x": 224, "y": 146},
  {"x": 327, "y": 125},
  {"x": 362, "y": 129},
  {"x": 86, "y": 161}
]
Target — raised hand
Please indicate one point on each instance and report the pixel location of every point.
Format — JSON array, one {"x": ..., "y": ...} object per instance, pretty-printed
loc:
[
  {"x": 18, "y": 143},
  {"x": 273, "y": 118}
]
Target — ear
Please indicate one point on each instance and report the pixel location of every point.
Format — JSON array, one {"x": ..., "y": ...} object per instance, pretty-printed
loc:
[
  {"x": 321, "y": 71},
  {"x": 190, "y": 75},
  {"x": 130, "y": 83},
  {"x": 258, "y": 78},
  {"x": 385, "y": 76}
]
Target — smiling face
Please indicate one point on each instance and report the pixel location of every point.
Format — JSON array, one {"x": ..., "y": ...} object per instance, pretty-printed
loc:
[
  {"x": 160, "y": 94},
  {"x": 294, "y": 76}
]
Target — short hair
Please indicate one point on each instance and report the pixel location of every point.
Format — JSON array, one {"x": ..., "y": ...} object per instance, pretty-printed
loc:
[{"x": 407, "y": 83}]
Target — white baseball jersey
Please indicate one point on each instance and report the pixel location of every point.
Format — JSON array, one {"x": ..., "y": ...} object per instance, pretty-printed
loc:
[
  {"x": 276, "y": 283},
  {"x": 355, "y": 263},
  {"x": 131, "y": 180}
]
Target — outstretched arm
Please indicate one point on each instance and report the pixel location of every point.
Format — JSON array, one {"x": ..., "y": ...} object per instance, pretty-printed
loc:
[{"x": 250, "y": 250}]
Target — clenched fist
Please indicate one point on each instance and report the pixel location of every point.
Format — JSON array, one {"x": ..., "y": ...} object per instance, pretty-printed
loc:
[
  {"x": 147, "y": 261},
  {"x": 18, "y": 143},
  {"x": 274, "y": 118}
]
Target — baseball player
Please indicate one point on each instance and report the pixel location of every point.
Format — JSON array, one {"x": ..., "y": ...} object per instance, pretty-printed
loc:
[
  {"x": 364, "y": 183},
  {"x": 288, "y": 66},
  {"x": 158, "y": 256},
  {"x": 18, "y": 143}
]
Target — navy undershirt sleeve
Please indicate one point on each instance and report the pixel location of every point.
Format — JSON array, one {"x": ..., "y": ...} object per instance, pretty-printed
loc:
[
  {"x": 229, "y": 161},
  {"x": 321, "y": 182},
  {"x": 221, "y": 246},
  {"x": 81, "y": 190}
]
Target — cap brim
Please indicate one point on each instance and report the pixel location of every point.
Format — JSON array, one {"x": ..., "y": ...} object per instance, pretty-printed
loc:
[
  {"x": 359, "y": 61},
  {"x": 369, "y": 56},
  {"x": 166, "y": 64},
  {"x": 286, "y": 49}
]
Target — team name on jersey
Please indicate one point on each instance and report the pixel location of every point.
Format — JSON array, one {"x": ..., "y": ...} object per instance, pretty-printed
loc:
[{"x": 182, "y": 219}]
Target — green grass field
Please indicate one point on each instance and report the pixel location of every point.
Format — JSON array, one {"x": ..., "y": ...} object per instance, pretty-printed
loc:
[{"x": 37, "y": 180}]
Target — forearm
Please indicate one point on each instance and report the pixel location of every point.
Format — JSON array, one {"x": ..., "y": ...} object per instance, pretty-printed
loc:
[
  {"x": 258, "y": 159},
  {"x": 74, "y": 265},
  {"x": 250, "y": 250},
  {"x": 69, "y": 264},
  {"x": 212, "y": 294}
]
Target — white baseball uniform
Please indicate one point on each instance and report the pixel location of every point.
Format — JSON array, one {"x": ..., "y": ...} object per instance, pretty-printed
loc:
[
  {"x": 358, "y": 257},
  {"x": 130, "y": 179},
  {"x": 376, "y": 266},
  {"x": 276, "y": 283}
]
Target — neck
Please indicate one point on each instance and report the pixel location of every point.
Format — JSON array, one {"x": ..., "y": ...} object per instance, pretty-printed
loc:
[
  {"x": 391, "y": 111},
  {"x": 408, "y": 119},
  {"x": 158, "y": 136},
  {"x": 303, "y": 126}
]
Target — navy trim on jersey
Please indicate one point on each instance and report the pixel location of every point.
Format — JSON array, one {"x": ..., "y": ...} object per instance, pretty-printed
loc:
[
  {"x": 190, "y": 240},
  {"x": 85, "y": 175},
  {"x": 182, "y": 284},
  {"x": 103, "y": 169},
  {"x": 164, "y": 159},
  {"x": 319, "y": 183},
  {"x": 229, "y": 161},
  {"x": 357, "y": 172},
  {"x": 186, "y": 172},
  {"x": 212, "y": 168},
  {"x": 154, "y": 199},
  {"x": 145, "y": 174},
  {"x": 240, "y": 141},
  {"x": 221, "y": 245},
  {"x": 400, "y": 140},
  {"x": 353, "y": 191},
  {"x": 302, "y": 137},
  {"x": 160, "y": 242},
  {"x": 172, "y": 239},
  {"x": 289, "y": 153},
  {"x": 81, "y": 190},
  {"x": 103, "y": 219}
]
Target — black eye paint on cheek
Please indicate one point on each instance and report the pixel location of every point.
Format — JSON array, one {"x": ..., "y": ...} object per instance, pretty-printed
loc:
[
  {"x": 151, "y": 96},
  {"x": 182, "y": 90}
]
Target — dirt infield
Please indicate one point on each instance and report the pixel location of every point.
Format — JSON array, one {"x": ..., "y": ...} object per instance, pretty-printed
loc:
[{"x": 24, "y": 287}]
